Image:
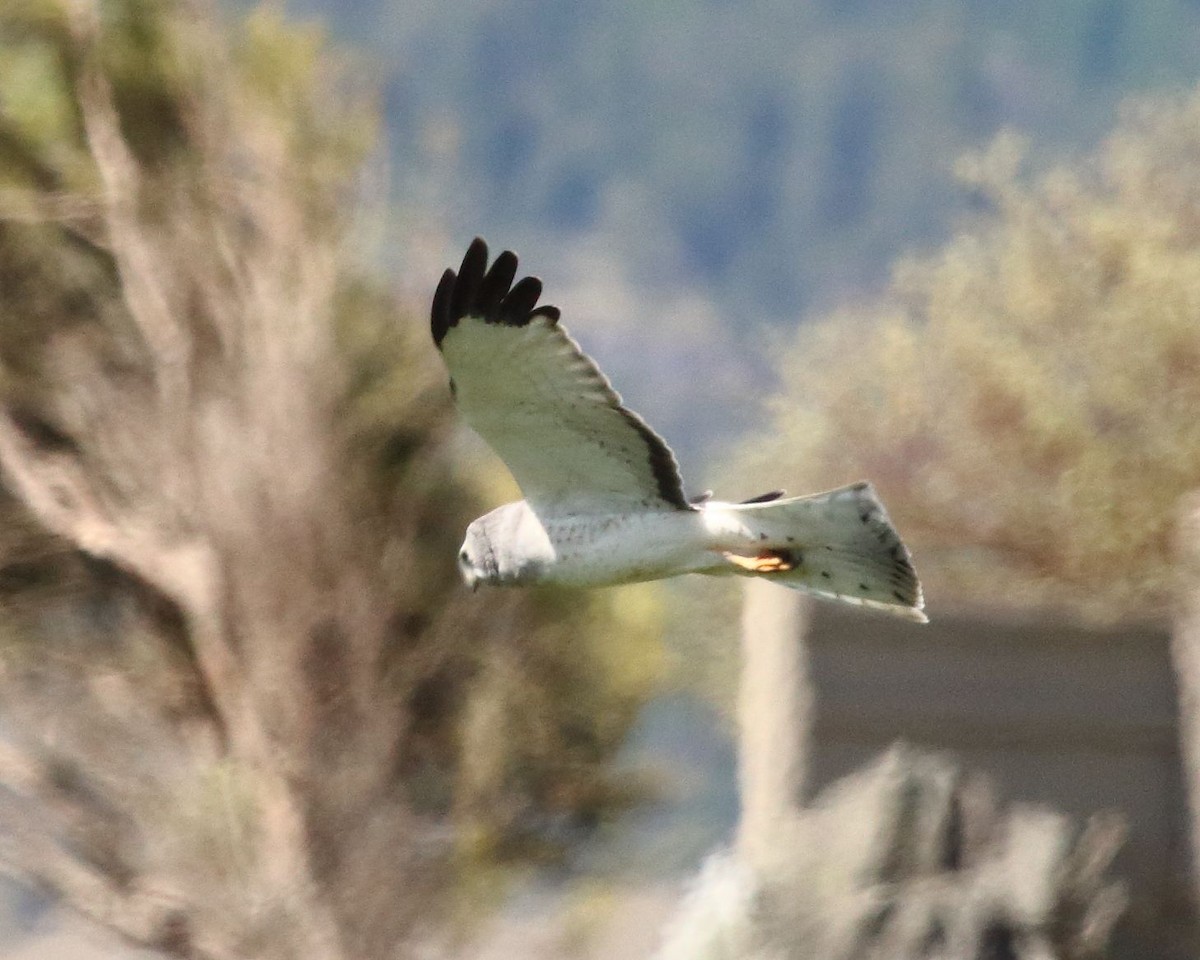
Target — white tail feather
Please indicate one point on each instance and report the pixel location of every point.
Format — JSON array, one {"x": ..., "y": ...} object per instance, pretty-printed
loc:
[{"x": 839, "y": 545}]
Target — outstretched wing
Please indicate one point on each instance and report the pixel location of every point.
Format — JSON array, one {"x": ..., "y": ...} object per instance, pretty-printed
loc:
[{"x": 542, "y": 404}]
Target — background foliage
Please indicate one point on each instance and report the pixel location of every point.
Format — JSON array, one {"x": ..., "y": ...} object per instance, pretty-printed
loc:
[
  {"x": 681, "y": 172},
  {"x": 764, "y": 151},
  {"x": 1025, "y": 398},
  {"x": 687, "y": 176},
  {"x": 238, "y": 667}
]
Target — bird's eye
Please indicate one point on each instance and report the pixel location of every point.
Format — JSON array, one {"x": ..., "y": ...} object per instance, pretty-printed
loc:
[{"x": 463, "y": 556}]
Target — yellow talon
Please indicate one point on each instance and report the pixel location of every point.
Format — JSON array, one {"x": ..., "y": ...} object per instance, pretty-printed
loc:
[{"x": 770, "y": 561}]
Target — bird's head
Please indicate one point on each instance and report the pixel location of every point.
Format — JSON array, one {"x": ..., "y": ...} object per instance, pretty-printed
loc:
[
  {"x": 505, "y": 548},
  {"x": 467, "y": 569},
  {"x": 476, "y": 559}
]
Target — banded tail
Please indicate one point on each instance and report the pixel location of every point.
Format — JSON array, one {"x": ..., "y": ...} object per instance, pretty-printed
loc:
[{"x": 839, "y": 545}]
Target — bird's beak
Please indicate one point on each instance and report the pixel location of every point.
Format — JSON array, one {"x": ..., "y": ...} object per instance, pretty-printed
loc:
[{"x": 474, "y": 584}]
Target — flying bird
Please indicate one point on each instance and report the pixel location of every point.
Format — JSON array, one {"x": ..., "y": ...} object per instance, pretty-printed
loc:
[{"x": 604, "y": 502}]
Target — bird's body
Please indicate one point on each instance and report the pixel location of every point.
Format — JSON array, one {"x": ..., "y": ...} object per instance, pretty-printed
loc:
[
  {"x": 590, "y": 550},
  {"x": 604, "y": 503}
]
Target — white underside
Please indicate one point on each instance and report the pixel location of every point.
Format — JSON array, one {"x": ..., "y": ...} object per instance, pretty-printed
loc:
[
  {"x": 839, "y": 545},
  {"x": 624, "y": 548}
]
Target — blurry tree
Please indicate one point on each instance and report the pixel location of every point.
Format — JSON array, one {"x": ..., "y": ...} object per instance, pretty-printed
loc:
[
  {"x": 741, "y": 162},
  {"x": 247, "y": 710},
  {"x": 761, "y": 151},
  {"x": 1026, "y": 400}
]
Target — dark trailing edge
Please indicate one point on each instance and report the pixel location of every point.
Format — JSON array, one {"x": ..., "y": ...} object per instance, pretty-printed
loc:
[
  {"x": 765, "y": 497},
  {"x": 490, "y": 294},
  {"x": 476, "y": 291},
  {"x": 662, "y": 462}
]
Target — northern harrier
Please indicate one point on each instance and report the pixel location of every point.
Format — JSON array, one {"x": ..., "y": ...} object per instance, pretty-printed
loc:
[{"x": 604, "y": 502}]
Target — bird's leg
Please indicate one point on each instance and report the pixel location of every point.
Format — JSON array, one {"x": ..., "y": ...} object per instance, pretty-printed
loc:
[{"x": 766, "y": 561}]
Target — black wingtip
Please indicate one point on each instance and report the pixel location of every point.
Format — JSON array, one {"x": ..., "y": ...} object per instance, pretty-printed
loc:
[
  {"x": 490, "y": 294},
  {"x": 496, "y": 284},
  {"x": 515, "y": 309},
  {"x": 439, "y": 314},
  {"x": 470, "y": 279}
]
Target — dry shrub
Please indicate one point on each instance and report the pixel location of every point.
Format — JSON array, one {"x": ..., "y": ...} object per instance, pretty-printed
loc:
[{"x": 909, "y": 858}]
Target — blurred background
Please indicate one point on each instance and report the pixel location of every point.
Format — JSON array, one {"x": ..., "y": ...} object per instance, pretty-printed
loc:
[{"x": 247, "y": 711}]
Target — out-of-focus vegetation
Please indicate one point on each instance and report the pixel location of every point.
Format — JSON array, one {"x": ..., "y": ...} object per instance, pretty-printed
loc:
[
  {"x": 1026, "y": 399},
  {"x": 685, "y": 175},
  {"x": 775, "y": 154},
  {"x": 905, "y": 859},
  {"x": 247, "y": 708}
]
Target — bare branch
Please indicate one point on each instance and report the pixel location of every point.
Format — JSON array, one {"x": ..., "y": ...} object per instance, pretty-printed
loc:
[
  {"x": 140, "y": 917},
  {"x": 102, "y": 889},
  {"x": 53, "y": 485},
  {"x": 148, "y": 298},
  {"x": 71, "y": 211}
]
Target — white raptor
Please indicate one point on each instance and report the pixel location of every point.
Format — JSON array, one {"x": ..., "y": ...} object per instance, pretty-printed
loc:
[{"x": 604, "y": 502}]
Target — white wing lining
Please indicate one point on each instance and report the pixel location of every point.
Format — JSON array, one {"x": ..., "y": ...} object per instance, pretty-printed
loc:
[{"x": 526, "y": 387}]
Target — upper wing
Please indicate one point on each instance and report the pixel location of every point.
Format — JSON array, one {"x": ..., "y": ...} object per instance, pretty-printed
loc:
[{"x": 545, "y": 408}]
